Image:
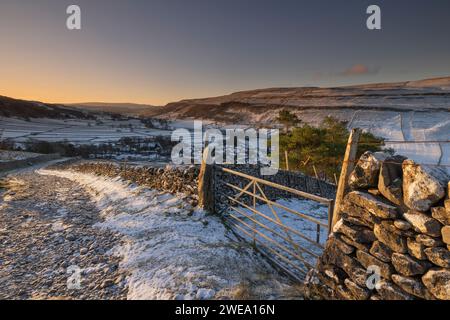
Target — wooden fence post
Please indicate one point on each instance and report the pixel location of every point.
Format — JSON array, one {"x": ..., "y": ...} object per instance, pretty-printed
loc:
[
  {"x": 287, "y": 159},
  {"x": 206, "y": 183},
  {"x": 347, "y": 167}
]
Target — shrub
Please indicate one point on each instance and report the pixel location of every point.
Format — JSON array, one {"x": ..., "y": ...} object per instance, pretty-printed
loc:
[{"x": 322, "y": 147}]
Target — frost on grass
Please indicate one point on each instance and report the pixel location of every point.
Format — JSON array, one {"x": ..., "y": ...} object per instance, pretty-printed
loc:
[{"x": 172, "y": 251}]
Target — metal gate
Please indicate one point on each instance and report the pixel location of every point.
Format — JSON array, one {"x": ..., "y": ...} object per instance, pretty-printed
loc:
[{"x": 289, "y": 238}]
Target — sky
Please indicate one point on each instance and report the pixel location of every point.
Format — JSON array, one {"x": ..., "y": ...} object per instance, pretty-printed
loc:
[{"x": 160, "y": 51}]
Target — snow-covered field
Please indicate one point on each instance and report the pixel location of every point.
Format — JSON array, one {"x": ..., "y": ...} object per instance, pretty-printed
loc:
[
  {"x": 398, "y": 126},
  {"x": 75, "y": 131},
  {"x": 407, "y": 130},
  {"x": 173, "y": 251},
  {"x": 6, "y": 156}
]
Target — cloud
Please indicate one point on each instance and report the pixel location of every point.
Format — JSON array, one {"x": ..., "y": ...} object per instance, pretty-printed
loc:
[{"x": 358, "y": 70}]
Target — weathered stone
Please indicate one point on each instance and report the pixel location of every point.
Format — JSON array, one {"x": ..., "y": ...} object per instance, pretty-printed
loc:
[
  {"x": 439, "y": 256},
  {"x": 423, "y": 186},
  {"x": 367, "y": 260},
  {"x": 390, "y": 179},
  {"x": 390, "y": 225},
  {"x": 315, "y": 288},
  {"x": 329, "y": 278},
  {"x": 381, "y": 251},
  {"x": 409, "y": 266},
  {"x": 358, "y": 275},
  {"x": 416, "y": 249},
  {"x": 447, "y": 204},
  {"x": 356, "y": 233},
  {"x": 389, "y": 291},
  {"x": 364, "y": 217},
  {"x": 373, "y": 205},
  {"x": 366, "y": 172},
  {"x": 357, "y": 292},
  {"x": 438, "y": 283},
  {"x": 357, "y": 245},
  {"x": 423, "y": 223},
  {"x": 341, "y": 245},
  {"x": 412, "y": 286},
  {"x": 428, "y": 241},
  {"x": 441, "y": 214},
  {"x": 335, "y": 274},
  {"x": 388, "y": 236},
  {"x": 445, "y": 231},
  {"x": 333, "y": 256},
  {"x": 402, "y": 225},
  {"x": 356, "y": 221},
  {"x": 338, "y": 225},
  {"x": 343, "y": 293}
]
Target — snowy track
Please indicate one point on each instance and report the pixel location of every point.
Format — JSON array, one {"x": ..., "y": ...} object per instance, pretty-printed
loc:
[{"x": 172, "y": 251}]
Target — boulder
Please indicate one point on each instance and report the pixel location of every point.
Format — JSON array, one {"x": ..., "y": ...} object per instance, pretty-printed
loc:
[
  {"x": 368, "y": 260},
  {"x": 440, "y": 256},
  {"x": 441, "y": 214},
  {"x": 381, "y": 251},
  {"x": 386, "y": 235},
  {"x": 375, "y": 206},
  {"x": 391, "y": 179},
  {"x": 408, "y": 266},
  {"x": 389, "y": 291},
  {"x": 416, "y": 249},
  {"x": 412, "y": 286},
  {"x": 423, "y": 223},
  {"x": 445, "y": 231},
  {"x": 438, "y": 283},
  {"x": 423, "y": 186},
  {"x": 367, "y": 169}
]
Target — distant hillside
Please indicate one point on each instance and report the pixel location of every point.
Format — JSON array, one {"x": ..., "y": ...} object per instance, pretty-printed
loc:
[
  {"x": 263, "y": 105},
  {"x": 10, "y": 107},
  {"x": 131, "y": 109}
]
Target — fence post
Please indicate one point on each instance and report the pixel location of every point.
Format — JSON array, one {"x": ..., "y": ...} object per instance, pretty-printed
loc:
[
  {"x": 206, "y": 183},
  {"x": 287, "y": 159},
  {"x": 347, "y": 167}
]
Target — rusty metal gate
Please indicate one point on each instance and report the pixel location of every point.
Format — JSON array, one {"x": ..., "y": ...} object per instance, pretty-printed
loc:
[{"x": 289, "y": 238}]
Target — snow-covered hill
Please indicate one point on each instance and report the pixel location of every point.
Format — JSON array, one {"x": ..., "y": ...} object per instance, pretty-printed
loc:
[{"x": 404, "y": 111}]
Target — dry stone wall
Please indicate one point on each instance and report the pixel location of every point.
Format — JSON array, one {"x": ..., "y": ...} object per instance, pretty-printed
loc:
[
  {"x": 393, "y": 239},
  {"x": 295, "y": 180},
  {"x": 173, "y": 179},
  {"x": 184, "y": 179}
]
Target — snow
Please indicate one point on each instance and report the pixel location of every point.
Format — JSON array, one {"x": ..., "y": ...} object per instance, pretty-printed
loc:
[
  {"x": 75, "y": 131},
  {"x": 6, "y": 156},
  {"x": 172, "y": 251}
]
